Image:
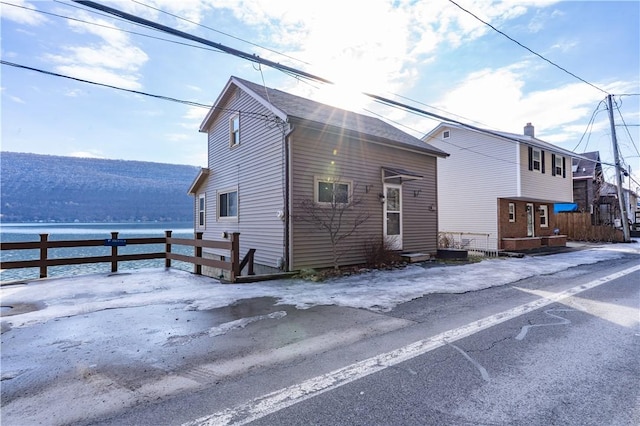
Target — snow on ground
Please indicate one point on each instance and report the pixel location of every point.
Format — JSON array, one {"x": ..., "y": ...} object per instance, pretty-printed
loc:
[{"x": 376, "y": 290}]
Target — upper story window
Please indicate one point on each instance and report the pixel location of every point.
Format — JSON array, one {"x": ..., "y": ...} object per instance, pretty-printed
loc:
[
  {"x": 202, "y": 206},
  {"x": 537, "y": 162},
  {"x": 536, "y": 159},
  {"x": 512, "y": 212},
  {"x": 234, "y": 130},
  {"x": 332, "y": 192},
  {"x": 446, "y": 134},
  {"x": 228, "y": 204},
  {"x": 544, "y": 216},
  {"x": 558, "y": 165}
]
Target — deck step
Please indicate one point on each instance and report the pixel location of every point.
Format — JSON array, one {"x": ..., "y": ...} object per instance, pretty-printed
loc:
[{"x": 415, "y": 257}]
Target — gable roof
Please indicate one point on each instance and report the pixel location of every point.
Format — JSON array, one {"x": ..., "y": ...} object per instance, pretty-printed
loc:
[
  {"x": 586, "y": 166},
  {"x": 291, "y": 108},
  {"x": 508, "y": 137}
]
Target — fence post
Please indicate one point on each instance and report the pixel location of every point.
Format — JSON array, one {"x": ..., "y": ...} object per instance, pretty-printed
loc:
[
  {"x": 43, "y": 255},
  {"x": 167, "y": 249},
  {"x": 235, "y": 256},
  {"x": 114, "y": 253},
  {"x": 197, "y": 268}
]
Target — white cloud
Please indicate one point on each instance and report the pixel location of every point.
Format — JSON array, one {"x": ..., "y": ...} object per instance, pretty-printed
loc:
[
  {"x": 113, "y": 60},
  {"x": 497, "y": 98},
  {"x": 17, "y": 99},
  {"x": 20, "y": 14}
]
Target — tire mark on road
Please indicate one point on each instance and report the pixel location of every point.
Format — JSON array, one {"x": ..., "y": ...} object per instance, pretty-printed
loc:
[
  {"x": 563, "y": 321},
  {"x": 476, "y": 364}
]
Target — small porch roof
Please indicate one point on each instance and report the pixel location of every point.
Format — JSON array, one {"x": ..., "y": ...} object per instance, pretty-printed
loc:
[{"x": 389, "y": 173}]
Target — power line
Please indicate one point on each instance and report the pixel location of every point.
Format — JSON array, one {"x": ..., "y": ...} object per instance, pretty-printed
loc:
[
  {"x": 107, "y": 26},
  {"x": 633, "y": 144},
  {"x": 590, "y": 124},
  {"x": 220, "y": 32},
  {"x": 525, "y": 47},
  {"x": 137, "y": 92},
  {"x": 182, "y": 34}
]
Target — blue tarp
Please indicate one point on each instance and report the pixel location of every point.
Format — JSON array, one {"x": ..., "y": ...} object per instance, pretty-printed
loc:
[{"x": 565, "y": 207}]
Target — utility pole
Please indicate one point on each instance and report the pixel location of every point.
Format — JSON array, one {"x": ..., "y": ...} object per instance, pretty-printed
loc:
[{"x": 621, "y": 199}]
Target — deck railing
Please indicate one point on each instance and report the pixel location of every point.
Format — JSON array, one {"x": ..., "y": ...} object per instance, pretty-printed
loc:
[
  {"x": 476, "y": 243},
  {"x": 234, "y": 265}
]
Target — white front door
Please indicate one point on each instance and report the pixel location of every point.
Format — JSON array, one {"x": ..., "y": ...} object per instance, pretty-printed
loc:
[
  {"x": 393, "y": 216},
  {"x": 530, "y": 221}
]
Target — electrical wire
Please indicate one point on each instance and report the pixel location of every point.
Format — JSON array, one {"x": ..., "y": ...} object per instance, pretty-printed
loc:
[
  {"x": 220, "y": 32},
  {"x": 526, "y": 48},
  {"x": 137, "y": 92},
  {"x": 633, "y": 144},
  {"x": 108, "y": 27},
  {"x": 596, "y": 111}
]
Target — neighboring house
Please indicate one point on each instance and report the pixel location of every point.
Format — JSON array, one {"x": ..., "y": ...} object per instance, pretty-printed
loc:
[
  {"x": 501, "y": 185},
  {"x": 269, "y": 152},
  {"x": 588, "y": 180}
]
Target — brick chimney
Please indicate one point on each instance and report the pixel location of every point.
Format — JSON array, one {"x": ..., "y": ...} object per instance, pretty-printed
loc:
[{"x": 529, "y": 130}]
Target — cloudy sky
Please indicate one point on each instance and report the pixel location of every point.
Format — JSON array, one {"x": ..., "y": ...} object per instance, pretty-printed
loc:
[{"x": 429, "y": 54}]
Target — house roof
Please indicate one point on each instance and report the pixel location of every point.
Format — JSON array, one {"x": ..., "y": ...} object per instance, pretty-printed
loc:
[
  {"x": 203, "y": 174},
  {"x": 513, "y": 137},
  {"x": 587, "y": 165},
  {"x": 291, "y": 108}
]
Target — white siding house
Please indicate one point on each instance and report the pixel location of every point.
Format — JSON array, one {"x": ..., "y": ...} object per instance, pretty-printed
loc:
[{"x": 500, "y": 184}]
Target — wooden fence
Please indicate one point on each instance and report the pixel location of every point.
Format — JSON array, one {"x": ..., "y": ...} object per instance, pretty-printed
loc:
[
  {"x": 234, "y": 266},
  {"x": 577, "y": 226}
]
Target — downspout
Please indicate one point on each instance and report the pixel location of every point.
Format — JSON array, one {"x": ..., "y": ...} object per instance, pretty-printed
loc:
[{"x": 287, "y": 209}]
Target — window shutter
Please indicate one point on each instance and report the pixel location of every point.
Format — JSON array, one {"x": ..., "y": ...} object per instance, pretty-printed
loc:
[
  {"x": 553, "y": 164},
  {"x": 530, "y": 158},
  {"x": 542, "y": 160},
  {"x": 564, "y": 168}
]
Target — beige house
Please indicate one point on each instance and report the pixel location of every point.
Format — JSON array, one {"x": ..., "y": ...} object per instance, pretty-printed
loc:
[
  {"x": 271, "y": 153},
  {"x": 501, "y": 185}
]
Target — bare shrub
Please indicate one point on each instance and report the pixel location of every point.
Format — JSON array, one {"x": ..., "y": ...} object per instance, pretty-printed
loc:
[{"x": 378, "y": 253}]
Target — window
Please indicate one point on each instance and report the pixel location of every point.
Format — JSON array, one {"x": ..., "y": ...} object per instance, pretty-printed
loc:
[
  {"x": 544, "y": 216},
  {"x": 558, "y": 165},
  {"x": 202, "y": 205},
  {"x": 512, "y": 212},
  {"x": 332, "y": 192},
  {"x": 536, "y": 159},
  {"x": 228, "y": 204},
  {"x": 446, "y": 134},
  {"x": 234, "y": 131}
]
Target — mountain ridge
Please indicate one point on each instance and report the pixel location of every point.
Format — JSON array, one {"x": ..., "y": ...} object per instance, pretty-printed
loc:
[{"x": 37, "y": 188}]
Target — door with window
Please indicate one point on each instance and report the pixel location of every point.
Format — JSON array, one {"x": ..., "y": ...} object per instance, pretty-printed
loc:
[
  {"x": 530, "y": 220},
  {"x": 393, "y": 216}
]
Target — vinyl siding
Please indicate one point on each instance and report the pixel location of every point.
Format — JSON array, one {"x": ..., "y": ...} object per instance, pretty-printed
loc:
[
  {"x": 545, "y": 186},
  {"x": 256, "y": 168},
  {"x": 479, "y": 170},
  {"x": 325, "y": 154}
]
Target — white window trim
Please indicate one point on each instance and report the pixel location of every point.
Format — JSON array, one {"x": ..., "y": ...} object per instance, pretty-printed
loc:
[
  {"x": 533, "y": 159},
  {"x": 446, "y": 134},
  {"x": 558, "y": 167},
  {"x": 544, "y": 212},
  {"x": 232, "y": 132},
  {"x": 316, "y": 193},
  {"x": 227, "y": 218},
  {"x": 202, "y": 211},
  {"x": 512, "y": 212}
]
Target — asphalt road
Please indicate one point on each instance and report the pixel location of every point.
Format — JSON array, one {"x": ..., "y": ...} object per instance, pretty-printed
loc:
[{"x": 554, "y": 349}]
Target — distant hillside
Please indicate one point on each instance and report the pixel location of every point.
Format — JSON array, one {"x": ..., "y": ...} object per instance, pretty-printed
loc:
[{"x": 67, "y": 189}]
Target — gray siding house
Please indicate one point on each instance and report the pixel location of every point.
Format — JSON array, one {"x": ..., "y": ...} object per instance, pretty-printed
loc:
[{"x": 270, "y": 153}]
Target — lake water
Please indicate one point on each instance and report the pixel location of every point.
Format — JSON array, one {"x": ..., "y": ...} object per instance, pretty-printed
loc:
[{"x": 15, "y": 232}]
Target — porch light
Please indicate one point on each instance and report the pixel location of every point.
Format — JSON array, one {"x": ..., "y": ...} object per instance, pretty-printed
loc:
[{"x": 381, "y": 197}]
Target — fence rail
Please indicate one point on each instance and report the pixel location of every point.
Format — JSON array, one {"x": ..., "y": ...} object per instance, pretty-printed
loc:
[{"x": 234, "y": 265}]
